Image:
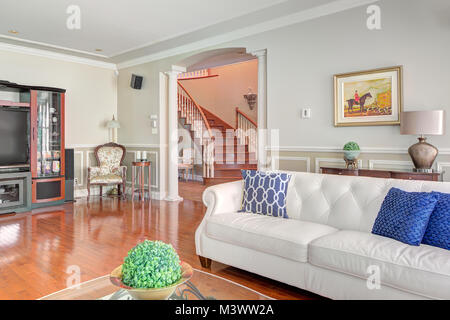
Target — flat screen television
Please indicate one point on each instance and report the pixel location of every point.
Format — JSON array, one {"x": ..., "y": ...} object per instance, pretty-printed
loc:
[{"x": 14, "y": 136}]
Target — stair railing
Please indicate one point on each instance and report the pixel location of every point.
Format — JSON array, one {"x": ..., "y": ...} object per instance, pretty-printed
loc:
[
  {"x": 246, "y": 130},
  {"x": 194, "y": 115}
]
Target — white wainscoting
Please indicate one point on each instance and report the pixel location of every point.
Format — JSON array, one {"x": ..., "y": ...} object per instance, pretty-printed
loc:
[
  {"x": 441, "y": 168},
  {"x": 154, "y": 165},
  {"x": 80, "y": 178},
  {"x": 275, "y": 160},
  {"x": 391, "y": 164},
  {"x": 332, "y": 160},
  {"x": 86, "y": 163}
]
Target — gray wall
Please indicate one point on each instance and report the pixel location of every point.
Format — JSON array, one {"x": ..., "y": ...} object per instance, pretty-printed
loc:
[{"x": 302, "y": 60}]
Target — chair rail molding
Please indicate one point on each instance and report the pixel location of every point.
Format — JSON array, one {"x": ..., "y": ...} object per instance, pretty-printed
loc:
[{"x": 389, "y": 150}]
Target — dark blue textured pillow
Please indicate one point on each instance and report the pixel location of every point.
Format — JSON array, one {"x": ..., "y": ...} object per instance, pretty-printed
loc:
[
  {"x": 265, "y": 193},
  {"x": 404, "y": 215},
  {"x": 438, "y": 230}
]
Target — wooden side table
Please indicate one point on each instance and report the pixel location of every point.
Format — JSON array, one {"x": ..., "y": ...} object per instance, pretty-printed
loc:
[
  {"x": 388, "y": 174},
  {"x": 138, "y": 173}
]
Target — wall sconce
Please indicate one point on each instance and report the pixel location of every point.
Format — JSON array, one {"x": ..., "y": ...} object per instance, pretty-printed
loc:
[
  {"x": 251, "y": 98},
  {"x": 113, "y": 125}
]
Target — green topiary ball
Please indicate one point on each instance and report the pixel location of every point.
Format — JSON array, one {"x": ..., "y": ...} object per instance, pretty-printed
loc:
[
  {"x": 151, "y": 264},
  {"x": 351, "y": 146}
]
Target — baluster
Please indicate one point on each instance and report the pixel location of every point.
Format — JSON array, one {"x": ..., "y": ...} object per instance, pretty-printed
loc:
[
  {"x": 182, "y": 106},
  {"x": 190, "y": 112}
]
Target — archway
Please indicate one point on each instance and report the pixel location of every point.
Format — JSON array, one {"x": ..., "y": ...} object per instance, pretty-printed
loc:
[{"x": 196, "y": 62}]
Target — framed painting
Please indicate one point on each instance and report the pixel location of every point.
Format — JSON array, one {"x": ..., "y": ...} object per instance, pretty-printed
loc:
[{"x": 368, "y": 98}]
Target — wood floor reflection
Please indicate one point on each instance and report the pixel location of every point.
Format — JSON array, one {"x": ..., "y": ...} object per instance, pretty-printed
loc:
[{"x": 39, "y": 250}]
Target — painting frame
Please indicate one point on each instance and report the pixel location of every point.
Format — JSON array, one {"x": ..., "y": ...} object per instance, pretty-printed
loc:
[{"x": 396, "y": 95}]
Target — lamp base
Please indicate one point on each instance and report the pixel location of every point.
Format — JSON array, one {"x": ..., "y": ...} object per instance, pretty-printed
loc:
[{"x": 423, "y": 155}]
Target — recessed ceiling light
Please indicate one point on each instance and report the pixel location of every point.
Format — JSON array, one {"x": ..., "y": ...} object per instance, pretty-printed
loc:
[
  {"x": 99, "y": 50},
  {"x": 12, "y": 31}
]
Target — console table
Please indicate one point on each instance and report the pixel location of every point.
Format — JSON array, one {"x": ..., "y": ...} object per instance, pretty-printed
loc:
[{"x": 405, "y": 175}]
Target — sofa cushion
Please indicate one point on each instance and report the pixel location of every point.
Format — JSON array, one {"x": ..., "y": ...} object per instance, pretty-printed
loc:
[
  {"x": 438, "y": 229},
  {"x": 286, "y": 238},
  {"x": 404, "y": 215},
  {"x": 107, "y": 178},
  {"x": 423, "y": 270},
  {"x": 265, "y": 193}
]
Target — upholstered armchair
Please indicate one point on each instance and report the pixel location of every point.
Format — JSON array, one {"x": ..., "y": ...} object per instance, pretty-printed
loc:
[{"x": 110, "y": 170}]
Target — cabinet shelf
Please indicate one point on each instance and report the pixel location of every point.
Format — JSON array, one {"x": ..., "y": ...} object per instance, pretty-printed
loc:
[{"x": 6, "y": 103}]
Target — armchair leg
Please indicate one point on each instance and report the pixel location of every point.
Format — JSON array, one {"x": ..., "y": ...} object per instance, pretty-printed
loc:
[
  {"x": 205, "y": 262},
  {"x": 89, "y": 191}
]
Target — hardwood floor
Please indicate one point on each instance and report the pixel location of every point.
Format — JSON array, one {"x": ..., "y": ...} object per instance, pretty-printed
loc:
[
  {"x": 191, "y": 190},
  {"x": 39, "y": 249}
]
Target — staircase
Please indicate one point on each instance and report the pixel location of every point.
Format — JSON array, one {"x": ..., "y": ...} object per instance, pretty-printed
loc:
[{"x": 230, "y": 149}]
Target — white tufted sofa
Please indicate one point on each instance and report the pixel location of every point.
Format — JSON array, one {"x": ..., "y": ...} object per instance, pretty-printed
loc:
[{"x": 326, "y": 246}]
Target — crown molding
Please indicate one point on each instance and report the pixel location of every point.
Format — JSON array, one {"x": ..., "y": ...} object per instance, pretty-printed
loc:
[
  {"x": 305, "y": 15},
  {"x": 56, "y": 55},
  {"x": 48, "y": 45},
  {"x": 390, "y": 150}
]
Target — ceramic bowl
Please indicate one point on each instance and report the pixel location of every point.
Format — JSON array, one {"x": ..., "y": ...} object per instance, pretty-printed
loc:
[
  {"x": 351, "y": 154},
  {"x": 154, "y": 293}
]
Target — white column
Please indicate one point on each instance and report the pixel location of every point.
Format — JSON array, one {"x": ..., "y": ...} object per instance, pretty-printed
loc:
[
  {"x": 173, "y": 134},
  {"x": 262, "y": 108}
]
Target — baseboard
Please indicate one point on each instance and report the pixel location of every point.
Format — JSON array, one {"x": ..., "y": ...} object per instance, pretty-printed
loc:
[
  {"x": 196, "y": 178},
  {"x": 95, "y": 191}
]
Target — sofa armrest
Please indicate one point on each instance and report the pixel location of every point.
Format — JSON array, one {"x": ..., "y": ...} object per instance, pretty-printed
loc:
[{"x": 224, "y": 198}]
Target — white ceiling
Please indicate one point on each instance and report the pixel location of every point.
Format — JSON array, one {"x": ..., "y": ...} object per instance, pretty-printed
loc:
[
  {"x": 117, "y": 26},
  {"x": 128, "y": 30}
]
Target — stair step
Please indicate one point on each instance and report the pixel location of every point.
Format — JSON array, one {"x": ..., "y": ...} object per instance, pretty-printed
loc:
[
  {"x": 216, "y": 180},
  {"x": 231, "y": 172},
  {"x": 231, "y": 148},
  {"x": 231, "y": 158},
  {"x": 226, "y": 166}
]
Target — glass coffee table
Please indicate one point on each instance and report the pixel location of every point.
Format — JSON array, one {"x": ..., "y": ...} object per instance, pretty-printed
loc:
[{"x": 202, "y": 286}]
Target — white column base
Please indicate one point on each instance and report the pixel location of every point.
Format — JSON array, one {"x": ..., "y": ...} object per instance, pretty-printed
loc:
[{"x": 173, "y": 199}]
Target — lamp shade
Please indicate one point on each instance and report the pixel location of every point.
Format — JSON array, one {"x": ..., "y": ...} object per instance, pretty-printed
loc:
[
  {"x": 423, "y": 122},
  {"x": 112, "y": 124}
]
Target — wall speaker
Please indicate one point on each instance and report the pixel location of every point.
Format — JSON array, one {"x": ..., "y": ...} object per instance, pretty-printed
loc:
[
  {"x": 136, "y": 81},
  {"x": 69, "y": 174}
]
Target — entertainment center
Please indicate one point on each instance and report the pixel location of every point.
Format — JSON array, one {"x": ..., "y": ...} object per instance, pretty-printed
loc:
[{"x": 32, "y": 161}]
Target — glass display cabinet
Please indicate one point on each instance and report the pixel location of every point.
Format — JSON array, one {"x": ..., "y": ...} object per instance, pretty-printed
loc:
[{"x": 47, "y": 146}]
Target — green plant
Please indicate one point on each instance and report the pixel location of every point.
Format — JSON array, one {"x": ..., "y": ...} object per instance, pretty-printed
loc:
[
  {"x": 151, "y": 264},
  {"x": 351, "y": 146}
]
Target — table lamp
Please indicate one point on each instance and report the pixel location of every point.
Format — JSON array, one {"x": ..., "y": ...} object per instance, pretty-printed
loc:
[
  {"x": 113, "y": 125},
  {"x": 423, "y": 123}
]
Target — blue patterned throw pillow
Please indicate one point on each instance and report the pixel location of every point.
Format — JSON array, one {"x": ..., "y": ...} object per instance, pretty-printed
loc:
[
  {"x": 404, "y": 215},
  {"x": 438, "y": 230},
  {"x": 265, "y": 193}
]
